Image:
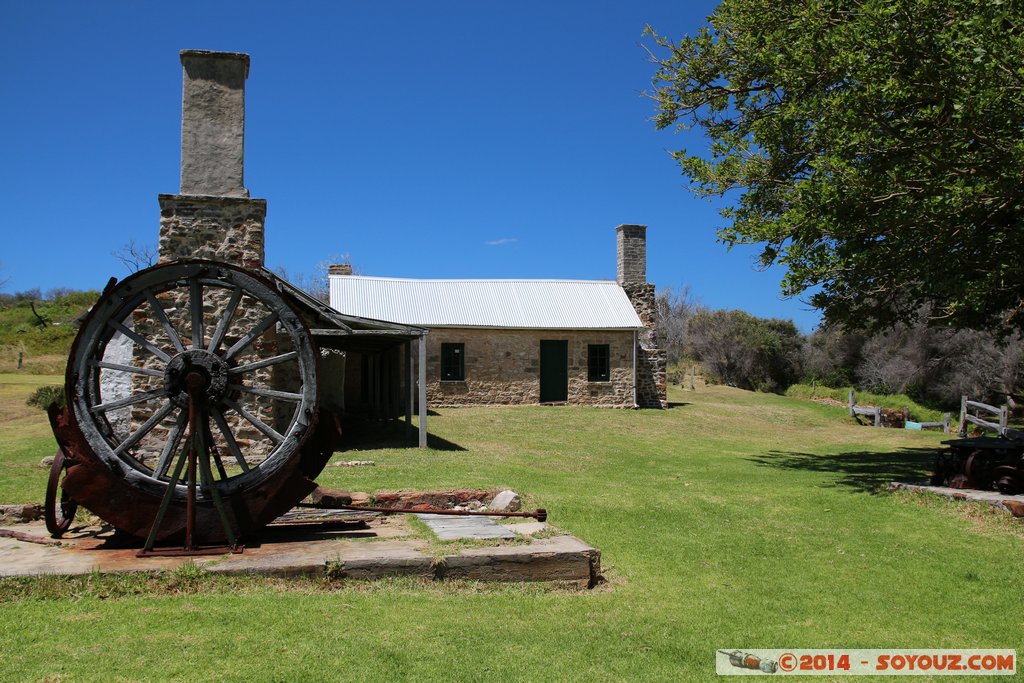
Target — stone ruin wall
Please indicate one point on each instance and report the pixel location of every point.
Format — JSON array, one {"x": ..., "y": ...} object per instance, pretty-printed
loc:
[{"x": 228, "y": 229}]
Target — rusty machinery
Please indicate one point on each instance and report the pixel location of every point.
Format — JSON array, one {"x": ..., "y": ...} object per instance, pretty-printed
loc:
[
  {"x": 210, "y": 426},
  {"x": 982, "y": 463},
  {"x": 153, "y": 443}
]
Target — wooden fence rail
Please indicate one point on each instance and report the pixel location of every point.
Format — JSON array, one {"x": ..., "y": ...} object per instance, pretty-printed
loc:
[
  {"x": 966, "y": 417},
  {"x": 875, "y": 412},
  {"x": 944, "y": 424}
]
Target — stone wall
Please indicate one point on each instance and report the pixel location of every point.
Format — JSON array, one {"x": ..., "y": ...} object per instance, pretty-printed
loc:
[
  {"x": 226, "y": 229},
  {"x": 503, "y": 367},
  {"x": 651, "y": 383}
]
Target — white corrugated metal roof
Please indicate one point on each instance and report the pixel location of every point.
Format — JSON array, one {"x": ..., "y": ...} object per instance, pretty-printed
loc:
[{"x": 523, "y": 304}]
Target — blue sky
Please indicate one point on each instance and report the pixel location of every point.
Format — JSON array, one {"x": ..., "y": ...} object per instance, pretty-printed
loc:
[{"x": 441, "y": 139}]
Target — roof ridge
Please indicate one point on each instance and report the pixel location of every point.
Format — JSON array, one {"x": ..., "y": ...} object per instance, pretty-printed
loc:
[{"x": 474, "y": 279}]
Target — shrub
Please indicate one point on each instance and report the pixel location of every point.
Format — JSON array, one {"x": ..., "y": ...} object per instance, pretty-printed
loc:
[
  {"x": 740, "y": 349},
  {"x": 44, "y": 396}
]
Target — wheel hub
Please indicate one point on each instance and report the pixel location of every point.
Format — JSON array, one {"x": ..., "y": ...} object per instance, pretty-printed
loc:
[{"x": 197, "y": 372}]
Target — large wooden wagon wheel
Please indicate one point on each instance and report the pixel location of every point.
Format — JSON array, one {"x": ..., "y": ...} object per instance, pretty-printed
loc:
[{"x": 193, "y": 356}]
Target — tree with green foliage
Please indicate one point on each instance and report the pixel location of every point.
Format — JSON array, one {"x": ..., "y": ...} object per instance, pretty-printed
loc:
[{"x": 874, "y": 148}]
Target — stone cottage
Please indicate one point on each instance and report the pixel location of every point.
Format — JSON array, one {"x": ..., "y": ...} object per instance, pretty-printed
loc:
[{"x": 507, "y": 342}]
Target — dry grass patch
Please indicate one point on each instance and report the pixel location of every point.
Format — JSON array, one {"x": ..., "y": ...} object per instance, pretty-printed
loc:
[{"x": 980, "y": 517}]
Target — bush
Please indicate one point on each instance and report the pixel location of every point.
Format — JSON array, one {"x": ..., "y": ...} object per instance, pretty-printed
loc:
[
  {"x": 44, "y": 396},
  {"x": 739, "y": 349}
]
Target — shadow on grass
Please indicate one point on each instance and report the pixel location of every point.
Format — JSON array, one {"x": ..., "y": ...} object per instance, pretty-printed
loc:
[
  {"x": 864, "y": 472},
  {"x": 676, "y": 404},
  {"x": 368, "y": 435}
]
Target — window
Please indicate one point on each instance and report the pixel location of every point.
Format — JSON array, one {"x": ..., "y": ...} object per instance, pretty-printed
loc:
[
  {"x": 598, "y": 364},
  {"x": 453, "y": 362}
]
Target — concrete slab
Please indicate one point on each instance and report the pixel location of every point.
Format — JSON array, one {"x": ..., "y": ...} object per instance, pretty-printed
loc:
[
  {"x": 377, "y": 548},
  {"x": 993, "y": 498},
  {"x": 451, "y": 528},
  {"x": 560, "y": 558}
]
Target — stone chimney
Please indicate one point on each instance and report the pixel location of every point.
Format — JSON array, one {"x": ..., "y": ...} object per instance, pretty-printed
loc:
[
  {"x": 631, "y": 252},
  {"x": 213, "y": 123},
  {"x": 339, "y": 269},
  {"x": 631, "y": 274},
  {"x": 213, "y": 217}
]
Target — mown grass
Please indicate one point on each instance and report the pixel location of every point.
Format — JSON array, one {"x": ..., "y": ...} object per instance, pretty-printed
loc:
[
  {"x": 731, "y": 520},
  {"x": 25, "y": 438}
]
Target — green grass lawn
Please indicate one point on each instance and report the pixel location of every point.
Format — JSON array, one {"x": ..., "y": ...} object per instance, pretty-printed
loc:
[
  {"x": 25, "y": 438},
  {"x": 731, "y": 520}
]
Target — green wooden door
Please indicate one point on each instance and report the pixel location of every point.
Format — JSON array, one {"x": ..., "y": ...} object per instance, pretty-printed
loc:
[{"x": 554, "y": 370}]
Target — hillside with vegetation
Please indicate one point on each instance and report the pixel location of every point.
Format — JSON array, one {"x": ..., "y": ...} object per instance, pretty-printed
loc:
[{"x": 40, "y": 328}]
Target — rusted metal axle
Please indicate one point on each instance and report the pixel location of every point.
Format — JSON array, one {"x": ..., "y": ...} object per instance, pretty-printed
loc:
[{"x": 540, "y": 514}]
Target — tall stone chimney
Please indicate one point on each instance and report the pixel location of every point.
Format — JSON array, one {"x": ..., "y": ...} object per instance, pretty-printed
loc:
[
  {"x": 213, "y": 217},
  {"x": 631, "y": 274},
  {"x": 631, "y": 252}
]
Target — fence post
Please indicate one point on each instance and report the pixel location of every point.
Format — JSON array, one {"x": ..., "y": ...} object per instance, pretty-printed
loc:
[
  {"x": 21, "y": 355},
  {"x": 945, "y": 423},
  {"x": 692, "y": 370},
  {"x": 962, "y": 430},
  {"x": 852, "y": 403},
  {"x": 1003, "y": 419},
  {"x": 878, "y": 417}
]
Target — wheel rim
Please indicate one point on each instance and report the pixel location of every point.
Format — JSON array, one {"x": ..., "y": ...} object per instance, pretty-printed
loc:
[
  {"x": 177, "y": 321},
  {"x": 59, "y": 511}
]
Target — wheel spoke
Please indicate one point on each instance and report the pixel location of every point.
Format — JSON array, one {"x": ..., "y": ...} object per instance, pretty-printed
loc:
[
  {"x": 126, "y": 368},
  {"x": 140, "y": 340},
  {"x": 259, "y": 424},
  {"x": 129, "y": 401},
  {"x": 269, "y": 393},
  {"x": 222, "y": 327},
  {"x": 173, "y": 439},
  {"x": 229, "y": 438},
  {"x": 215, "y": 452},
  {"x": 195, "y": 293},
  {"x": 161, "y": 315},
  {"x": 249, "y": 338},
  {"x": 146, "y": 427},
  {"x": 273, "y": 360}
]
